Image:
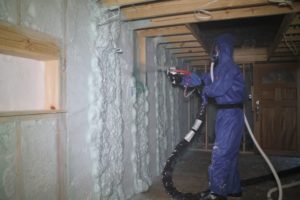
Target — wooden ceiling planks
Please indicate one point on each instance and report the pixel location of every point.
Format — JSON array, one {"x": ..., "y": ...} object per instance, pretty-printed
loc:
[
  {"x": 288, "y": 48},
  {"x": 222, "y": 15},
  {"x": 176, "y": 7},
  {"x": 171, "y": 21}
]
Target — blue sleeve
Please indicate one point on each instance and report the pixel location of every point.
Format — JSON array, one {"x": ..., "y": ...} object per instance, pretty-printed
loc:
[
  {"x": 192, "y": 80},
  {"x": 206, "y": 78},
  {"x": 221, "y": 84}
]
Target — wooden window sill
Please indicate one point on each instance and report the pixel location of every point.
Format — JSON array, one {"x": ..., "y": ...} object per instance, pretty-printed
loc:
[{"x": 30, "y": 112}]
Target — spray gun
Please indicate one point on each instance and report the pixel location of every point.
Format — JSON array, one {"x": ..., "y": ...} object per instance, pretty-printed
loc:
[{"x": 176, "y": 75}]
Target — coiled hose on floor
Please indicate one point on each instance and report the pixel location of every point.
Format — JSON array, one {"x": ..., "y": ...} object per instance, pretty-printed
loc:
[{"x": 180, "y": 148}]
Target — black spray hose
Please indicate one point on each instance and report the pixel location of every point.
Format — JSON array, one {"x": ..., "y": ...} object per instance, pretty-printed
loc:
[{"x": 180, "y": 148}]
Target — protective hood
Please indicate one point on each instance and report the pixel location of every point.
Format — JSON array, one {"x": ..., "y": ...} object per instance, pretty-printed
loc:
[{"x": 225, "y": 43}]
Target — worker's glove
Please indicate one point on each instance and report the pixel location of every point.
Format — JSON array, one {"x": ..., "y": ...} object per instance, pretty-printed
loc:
[{"x": 191, "y": 81}]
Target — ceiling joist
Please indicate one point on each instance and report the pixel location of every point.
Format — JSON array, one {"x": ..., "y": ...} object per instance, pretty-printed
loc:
[
  {"x": 183, "y": 55},
  {"x": 165, "y": 8},
  {"x": 165, "y": 31},
  {"x": 287, "y": 20},
  {"x": 182, "y": 45},
  {"x": 240, "y": 56},
  {"x": 218, "y": 15},
  {"x": 187, "y": 50},
  {"x": 178, "y": 38}
]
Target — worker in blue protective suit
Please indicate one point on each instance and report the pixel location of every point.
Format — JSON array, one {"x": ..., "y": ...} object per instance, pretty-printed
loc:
[{"x": 227, "y": 89}]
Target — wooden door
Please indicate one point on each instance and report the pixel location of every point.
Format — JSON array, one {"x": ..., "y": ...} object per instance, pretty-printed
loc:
[{"x": 275, "y": 107}]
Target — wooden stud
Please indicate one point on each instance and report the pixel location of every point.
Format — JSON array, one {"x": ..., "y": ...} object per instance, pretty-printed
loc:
[
  {"x": 222, "y": 15},
  {"x": 141, "y": 43},
  {"x": 26, "y": 43},
  {"x": 164, "y": 8}
]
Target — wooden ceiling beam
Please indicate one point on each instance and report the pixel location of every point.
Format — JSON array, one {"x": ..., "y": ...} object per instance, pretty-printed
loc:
[
  {"x": 199, "y": 63},
  {"x": 287, "y": 20},
  {"x": 165, "y": 8},
  {"x": 178, "y": 38},
  {"x": 280, "y": 59},
  {"x": 182, "y": 45},
  {"x": 222, "y": 15},
  {"x": 291, "y": 38},
  {"x": 240, "y": 56},
  {"x": 198, "y": 35},
  {"x": 165, "y": 31},
  {"x": 187, "y": 50},
  {"x": 120, "y": 3},
  {"x": 283, "y": 44},
  {"x": 296, "y": 20},
  {"x": 292, "y": 30},
  {"x": 199, "y": 54}
]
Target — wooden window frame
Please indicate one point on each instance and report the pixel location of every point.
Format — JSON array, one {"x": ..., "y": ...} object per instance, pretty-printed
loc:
[{"x": 23, "y": 42}]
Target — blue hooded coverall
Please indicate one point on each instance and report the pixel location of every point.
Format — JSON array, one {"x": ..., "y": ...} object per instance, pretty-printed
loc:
[{"x": 227, "y": 88}]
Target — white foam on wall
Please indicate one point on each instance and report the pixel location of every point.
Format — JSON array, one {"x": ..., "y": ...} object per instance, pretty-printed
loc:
[
  {"x": 105, "y": 111},
  {"x": 118, "y": 118},
  {"x": 7, "y": 157},
  {"x": 169, "y": 107},
  {"x": 8, "y": 10},
  {"x": 108, "y": 143},
  {"x": 44, "y": 16},
  {"x": 39, "y": 160}
]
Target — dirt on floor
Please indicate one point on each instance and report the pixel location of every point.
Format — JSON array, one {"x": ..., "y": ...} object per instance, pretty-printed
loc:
[{"x": 190, "y": 175}]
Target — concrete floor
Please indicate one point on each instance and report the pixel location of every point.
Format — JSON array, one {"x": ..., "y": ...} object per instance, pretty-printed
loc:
[{"x": 191, "y": 176}]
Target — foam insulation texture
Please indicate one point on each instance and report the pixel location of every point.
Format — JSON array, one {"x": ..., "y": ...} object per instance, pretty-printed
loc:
[
  {"x": 7, "y": 157},
  {"x": 170, "y": 106},
  {"x": 33, "y": 156},
  {"x": 111, "y": 154},
  {"x": 9, "y": 11},
  {"x": 29, "y": 146},
  {"x": 118, "y": 115},
  {"x": 44, "y": 16},
  {"x": 39, "y": 162}
]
